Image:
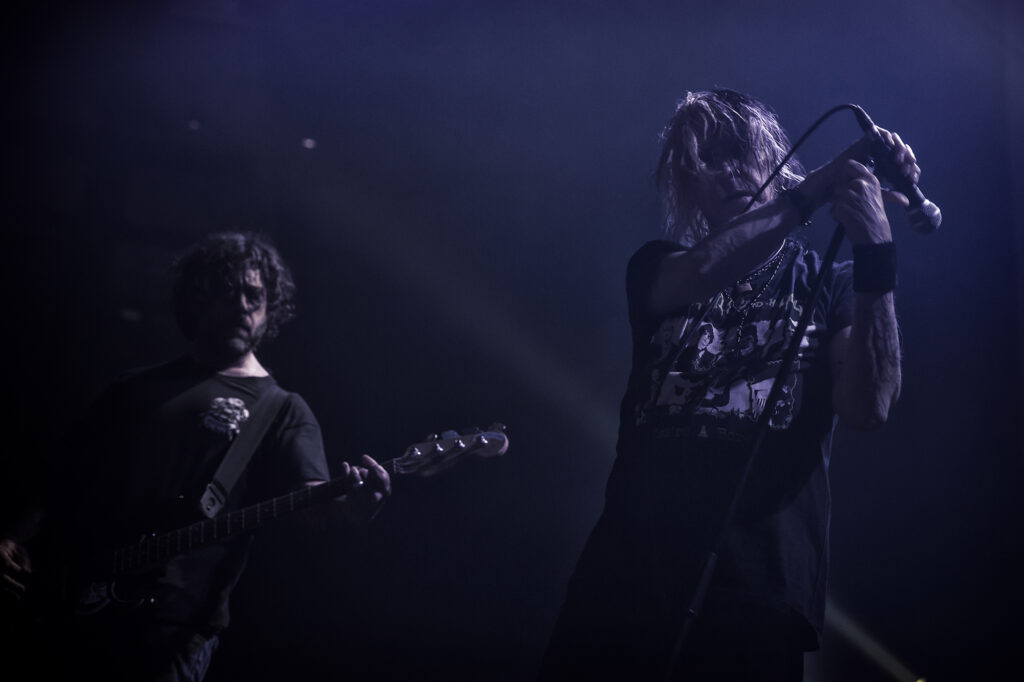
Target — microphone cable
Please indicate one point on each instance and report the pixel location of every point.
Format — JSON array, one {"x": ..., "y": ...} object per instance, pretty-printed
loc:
[{"x": 814, "y": 126}]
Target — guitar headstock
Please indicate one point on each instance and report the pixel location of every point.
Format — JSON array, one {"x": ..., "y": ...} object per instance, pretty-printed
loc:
[{"x": 442, "y": 451}]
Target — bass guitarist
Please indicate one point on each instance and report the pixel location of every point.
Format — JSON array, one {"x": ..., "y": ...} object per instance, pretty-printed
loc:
[{"x": 159, "y": 435}]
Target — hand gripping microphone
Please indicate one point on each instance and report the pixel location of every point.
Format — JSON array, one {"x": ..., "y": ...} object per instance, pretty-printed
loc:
[{"x": 923, "y": 215}]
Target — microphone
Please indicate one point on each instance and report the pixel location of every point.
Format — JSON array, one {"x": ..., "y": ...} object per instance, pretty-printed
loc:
[{"x": 923, "y": 215}]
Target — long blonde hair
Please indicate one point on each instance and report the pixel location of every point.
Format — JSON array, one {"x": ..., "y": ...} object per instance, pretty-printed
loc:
[{"x": 740, "y": 123}]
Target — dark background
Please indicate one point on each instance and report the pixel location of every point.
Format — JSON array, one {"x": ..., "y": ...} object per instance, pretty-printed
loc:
[{"x": 479, "y": 174}]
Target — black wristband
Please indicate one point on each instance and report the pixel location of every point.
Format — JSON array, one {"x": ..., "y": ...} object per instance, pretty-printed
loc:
[
  {"x": 874, "y": 267},
  {"x": 799, "y": 201}
]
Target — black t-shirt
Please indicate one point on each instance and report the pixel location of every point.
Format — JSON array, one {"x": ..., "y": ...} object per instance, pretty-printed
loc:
[
  {"x": 699, "y": 381},
  {"x": 142, "y": 457}
]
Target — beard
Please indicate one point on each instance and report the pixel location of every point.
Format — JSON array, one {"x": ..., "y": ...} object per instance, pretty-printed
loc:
[
  {"x": 225, "y": 344},
  {"x": 245, "y": 339}
]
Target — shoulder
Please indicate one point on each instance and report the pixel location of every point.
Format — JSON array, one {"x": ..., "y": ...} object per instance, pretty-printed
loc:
[
  {"x": 139, "y": 381},
  {"x": 643, "y": 264},
  {"x": 295, "y": 402},
  {"x": 648, "y": 256},
  {"x": 294, "y": 408},
  {"x": 178, "y": 367},
  {"x": 641, "y": 273}
]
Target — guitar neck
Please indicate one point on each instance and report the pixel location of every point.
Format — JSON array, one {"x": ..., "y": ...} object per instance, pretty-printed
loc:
[
  {"x": 422, "y": 459},
  {"x": 157, "y": 549}
]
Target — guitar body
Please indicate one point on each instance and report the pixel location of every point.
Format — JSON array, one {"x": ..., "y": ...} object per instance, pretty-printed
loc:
[
  {"x": 91, "y": 586},
  {"x": 75, "y": 621},
  {"x": 98, "y": 595},
  {"x": 123, "y": 592}
]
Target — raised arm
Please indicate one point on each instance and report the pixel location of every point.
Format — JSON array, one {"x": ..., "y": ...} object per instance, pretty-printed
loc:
[
  {"x": 722, "y": 257},
  {"x": 865, "y": 357},
  {"x": 738, "y": 242}
]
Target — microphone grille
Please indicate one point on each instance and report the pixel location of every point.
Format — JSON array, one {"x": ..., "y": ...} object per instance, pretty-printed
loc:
[{"x": 925, "y": 218}]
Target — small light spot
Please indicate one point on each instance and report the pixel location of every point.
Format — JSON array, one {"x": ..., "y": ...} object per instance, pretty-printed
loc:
[
  {"x": 193, "y": 125},
  {"x": 309, "y": 143}
]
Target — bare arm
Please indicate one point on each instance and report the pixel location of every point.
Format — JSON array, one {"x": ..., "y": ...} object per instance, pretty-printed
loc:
[
  {"x": 722, "y": 257},
  {"x": 865, "y": 360},
  {"x": 865, "y": 357},
  {"x": 744, "y": 242}
]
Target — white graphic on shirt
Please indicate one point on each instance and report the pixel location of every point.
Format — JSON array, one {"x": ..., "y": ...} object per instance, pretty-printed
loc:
[
  {"x": 725, "y": 371},
  {"x": 226, "y": 416}
]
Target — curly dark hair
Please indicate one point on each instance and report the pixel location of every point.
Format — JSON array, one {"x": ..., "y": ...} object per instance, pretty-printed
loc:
[
  {"x": 218, "y": 263},
  {"x": 746, "y": 126}
]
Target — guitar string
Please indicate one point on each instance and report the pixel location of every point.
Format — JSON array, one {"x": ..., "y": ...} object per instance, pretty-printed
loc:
[{"x": 140, "y": 555}]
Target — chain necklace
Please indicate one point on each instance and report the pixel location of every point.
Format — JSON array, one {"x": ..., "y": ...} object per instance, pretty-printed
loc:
[
  {"x": 774, "y": 263},
  {"x": 774, "y": 260},
  {"x": 725, "y": 299}
]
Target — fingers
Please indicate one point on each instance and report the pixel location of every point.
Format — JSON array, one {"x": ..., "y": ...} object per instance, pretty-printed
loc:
[
  {"x": 860, "y": 181},
  {"x": 379, "y": 476},
  {"x": 855, "y": 169},
  {"x": 857, "y": 186},
  {"x": 857, "y": 205},
  {"x": 15, "y": 566},
  {"x": 11, "y": 586},
  {"x": 354, "y": 477},
  {"x": 372, "y": 475},
  {"x": 858, "y": 178},
  {"x": 903, "y": 155},
  {"x": 14, "y": 557},
  {"x": 893, "y": 197},
  {"x": 368, "y": 495},
  {"x": 905, "y": 158}
]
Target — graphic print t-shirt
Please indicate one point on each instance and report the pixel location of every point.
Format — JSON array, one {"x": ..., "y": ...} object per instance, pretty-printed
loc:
[{"x": 700, "y": 380}]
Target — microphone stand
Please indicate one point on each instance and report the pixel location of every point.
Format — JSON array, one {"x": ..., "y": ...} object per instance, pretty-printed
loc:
[{"x": 761, "y": 430}]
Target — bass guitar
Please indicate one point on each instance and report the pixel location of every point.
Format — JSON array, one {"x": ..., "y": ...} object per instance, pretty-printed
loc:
[{"x": 119, "y": 569}]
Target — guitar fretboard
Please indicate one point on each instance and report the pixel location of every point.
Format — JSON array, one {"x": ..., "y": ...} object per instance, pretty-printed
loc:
[
  {"x": 157, "y": 549},
  {"x": 424, "y": 459}
]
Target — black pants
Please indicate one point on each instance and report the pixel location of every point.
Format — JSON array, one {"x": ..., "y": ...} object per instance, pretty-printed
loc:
[
  {"x": 772, "y": 658},
  {"x": 644, "y": 653},
  {"x": 620, "y": 623}
]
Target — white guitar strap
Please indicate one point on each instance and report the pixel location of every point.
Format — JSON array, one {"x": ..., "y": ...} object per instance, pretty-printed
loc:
[{"x": 241, "y": 450}]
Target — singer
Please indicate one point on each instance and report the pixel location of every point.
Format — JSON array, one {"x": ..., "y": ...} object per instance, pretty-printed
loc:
[{"x": 712, "y": 308}]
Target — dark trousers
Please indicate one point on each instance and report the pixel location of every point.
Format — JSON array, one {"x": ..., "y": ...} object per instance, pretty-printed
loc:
[
  {"x": 769, "y": 659},
  {"x": 644, "y": 653}
]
